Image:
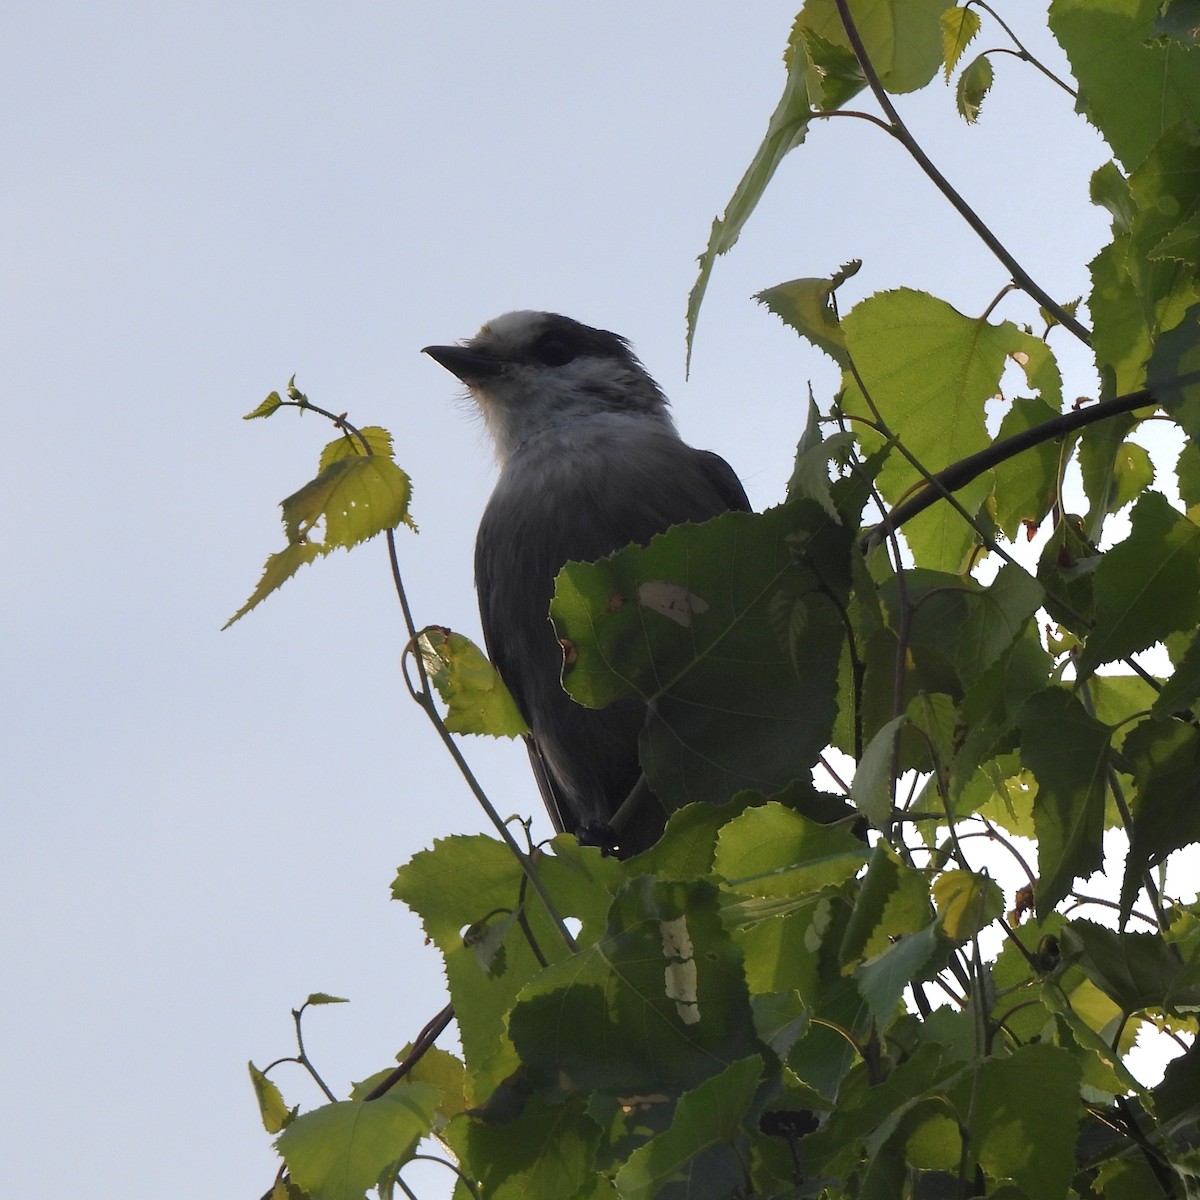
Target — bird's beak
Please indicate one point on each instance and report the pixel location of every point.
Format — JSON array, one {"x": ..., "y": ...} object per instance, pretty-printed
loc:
[{"x": 469, "y": 365}]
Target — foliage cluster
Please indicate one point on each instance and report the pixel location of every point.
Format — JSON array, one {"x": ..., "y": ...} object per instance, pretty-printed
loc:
[{"x": 820, "y": 988}]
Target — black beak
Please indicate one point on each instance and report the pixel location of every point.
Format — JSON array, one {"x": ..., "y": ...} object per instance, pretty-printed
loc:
[{"x": 469, "y": 365}]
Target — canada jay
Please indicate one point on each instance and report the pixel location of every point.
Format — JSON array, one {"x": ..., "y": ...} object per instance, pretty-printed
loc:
[{"x": 590, "y": 461}]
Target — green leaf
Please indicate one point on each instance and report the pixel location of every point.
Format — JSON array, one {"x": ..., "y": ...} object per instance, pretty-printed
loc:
[
  {"x": 1133, "y": 473},
  {"x": 476, "y": 699},
  {"x": 271, "y": 404},
  {"x": 1026, "y": 485},
  {"x": 1165, "y": 756},
  {"x": 892, "y": 899},
  {"x": 996, "y": 615},
  {"x": 959, "y": 27},
  {"x": 1138, "y": 292},
  {"x": 1182, "y": 690},
  {"x": 1136, "y": 970},
  {"x": 973, "y": 85},
  {"x": 1110, "y": 189},
  {"x": 967, "y": 903},
  {"x": 1131, "y": 87},
  {"x": 690, "y": 617},
  {"x": 787, "y": 128},
  {"x": 464, "y": 880},
  {"x": 807, "y": 306},
  {"x": 882, "y": 979},
  {"x": 316, "y": 998},
  {"x": 703, "y": 1144},
  {"x": 1146, "y": 586},
  {"x": 547, "y": 1150},
  {"x": 1187, "y": 472},
  {"x": 810, "y": 474},
  {"x": 1025, "y": 1115},
  {"x": 1068, "y": 753},
  {"x": 929, "y": 370},
  {"x": 871, "y": 788},
  {"x": 772, "y": 851},
  {"x": 902, "y": 38},
  {"x": 1177, "y": 357},
  {"x": 275, "y": 1114},
  {"x": 663, "y": 992},
  {"x": 835, "y": 75},
  {"x": 339, "y": 1150}
]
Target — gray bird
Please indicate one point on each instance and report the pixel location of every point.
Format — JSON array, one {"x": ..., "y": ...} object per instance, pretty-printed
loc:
[{"x": 590, "y": 461}]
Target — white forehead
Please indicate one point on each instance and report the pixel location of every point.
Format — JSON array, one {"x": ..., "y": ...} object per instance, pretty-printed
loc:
[{"x": 512, "y": 330}]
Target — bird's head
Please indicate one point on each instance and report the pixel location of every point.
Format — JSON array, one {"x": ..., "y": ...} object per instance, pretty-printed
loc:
[{"x": 533, "y": 371}]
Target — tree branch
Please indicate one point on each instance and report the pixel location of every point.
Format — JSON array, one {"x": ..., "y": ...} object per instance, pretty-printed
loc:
[{"x": 959, "y": 474}]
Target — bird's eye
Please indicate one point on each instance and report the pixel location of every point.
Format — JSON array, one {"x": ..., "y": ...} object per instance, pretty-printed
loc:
[{"x": 554, "y": 352}]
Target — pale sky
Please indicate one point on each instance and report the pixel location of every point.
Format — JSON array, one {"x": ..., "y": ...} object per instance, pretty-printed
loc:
[{"x": 199, "y": 200}]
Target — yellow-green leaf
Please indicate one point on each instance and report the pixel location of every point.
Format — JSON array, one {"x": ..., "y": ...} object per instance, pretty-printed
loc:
[
  {"x": 349, "y": 445},
  {"x": 959, "y": 27},
  {"x": 275, "y": 1114},
  {"x": 475, "y": 695},
  {"x": 967, "y": 902},
  {"x": 356, "y": 497},
  {"x": 279, "y": 569},
  {"x": 271, "y": 404}
]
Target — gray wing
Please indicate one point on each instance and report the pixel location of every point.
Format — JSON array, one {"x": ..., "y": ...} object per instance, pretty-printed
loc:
[{"x": 579, "y": 501}]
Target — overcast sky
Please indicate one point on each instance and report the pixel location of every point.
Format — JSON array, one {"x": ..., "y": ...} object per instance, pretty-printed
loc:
[{"x": 199, "y": 200}]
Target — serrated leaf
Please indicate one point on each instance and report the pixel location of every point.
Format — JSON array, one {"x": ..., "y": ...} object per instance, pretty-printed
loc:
[
  {"x": 356, "y": 497},
  {"x": 1068, "y": 753},
  {"x": 882, "y": 979},
  {"x": 769, "y": 725},
  {"x": 1135, "y": 970},
  {"x": 1177, "y": 357},
  {"x": 973, "y": 85},
  {"x": 274, "y": 1112},
  {"x": 1025, "y": 1116},
  {"x": 662, "y": 991},
  {"x": 546, "y": 1150},
  {"x": 476, "y": 698},
  {"x": 807, "y": 306},
  {"x": 967, "y": 903},
  {"x": 929, "y": 371},
  {"x": 871, "y": 788},
  {"x": 995, "y": 618},
  {"x": 703, "y": 1142},
  {"x": 339, "y": 1150},
  {"x": 1136, "y": 296},
  {"x": 1165, "y": 756},
  {"x": 902, "y": 38},
  {"x": 892, "y": 899},
  {"x": 959, "y": 27},
  {"x": 1182, "y": 690},
  {"x": 280, "y": 567},
  {"x": 271, "y": 404},
  {"x": 378, "y": 442},
  {"x": 460, "y": 882},
  {"x": 772, "y": 851},
  {"x": 1131, "y": 87},
  {"x": 1026, "y": 485},
  {"x": 1110, "y": 189},
  {"x": 1146, "y": 586},
  {"x": 835, "y": 75},
  {"x": 787, "y": 128}
]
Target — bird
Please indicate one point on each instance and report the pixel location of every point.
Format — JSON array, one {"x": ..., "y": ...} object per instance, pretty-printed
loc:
[{"x": 589, "y": 461}]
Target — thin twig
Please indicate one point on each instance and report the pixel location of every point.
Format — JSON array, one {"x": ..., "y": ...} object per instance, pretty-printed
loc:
[
  {"x": 901, "y": 133},
  {"x": 425, "y": 1039}
]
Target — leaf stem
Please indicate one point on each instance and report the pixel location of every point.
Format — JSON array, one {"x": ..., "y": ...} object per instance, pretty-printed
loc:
[{"x": 900, "y": 131}]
